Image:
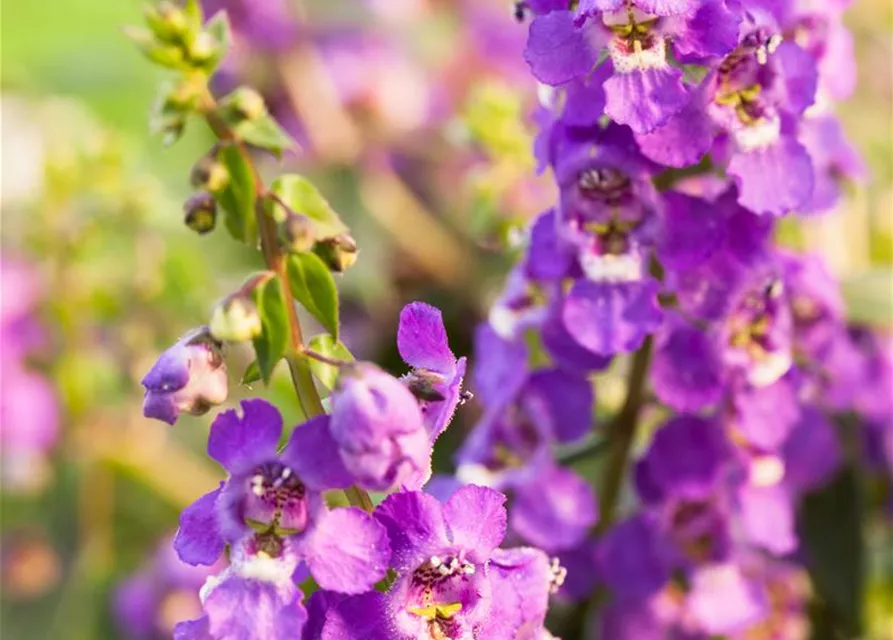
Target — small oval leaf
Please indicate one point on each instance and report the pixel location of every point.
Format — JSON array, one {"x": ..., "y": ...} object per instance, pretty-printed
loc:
[
  {"x": 324, "y": 344},
  {"x": 313, "y": 286}
]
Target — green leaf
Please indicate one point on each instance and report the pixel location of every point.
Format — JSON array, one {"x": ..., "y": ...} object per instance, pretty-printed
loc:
[
  {"x": 265, "y": 133},
  {"x": 302, "y": 197},
  {"x": 252, "y": 373},
  {"x": 219, "y": 29},
  {"x": 326, "y": 345},
  {"x": 271, "y": 344},
  {"x": 194, "y": 16},
  {"x": 313, "y": 286},
  {"x": 830, "y": 530},
  {"x": 238, "y": 197}
]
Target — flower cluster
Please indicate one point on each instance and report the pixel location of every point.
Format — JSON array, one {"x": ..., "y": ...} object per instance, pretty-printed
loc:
[
  {"x": 29, "y": 412},
  {"x": 677, "y": 133}
]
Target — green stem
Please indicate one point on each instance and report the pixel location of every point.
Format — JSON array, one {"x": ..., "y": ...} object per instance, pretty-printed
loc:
[
  {"x": 622, "y": 433},
  {"x": 298, "y": 367}
]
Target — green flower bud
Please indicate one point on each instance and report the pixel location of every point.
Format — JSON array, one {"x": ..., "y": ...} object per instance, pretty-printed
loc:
[
  {"x": 201, "y": 212},
  {"x": 203, "y": 47},
  {"x": 245, "y": 104},
  {"x": 296, "y": 233},
  {"x": 209, "y": 175},
  {"x": 236, "y": 319},
  {"x": 167, "y": 21},
  {"x": 339, "y": 253}
]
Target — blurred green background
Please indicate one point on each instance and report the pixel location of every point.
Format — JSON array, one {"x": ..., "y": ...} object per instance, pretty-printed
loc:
[{"x": 94, "y": 203}]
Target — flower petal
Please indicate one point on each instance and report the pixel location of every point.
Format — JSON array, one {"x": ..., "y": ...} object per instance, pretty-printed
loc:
[
  {"x": 557, "y": 51},
  {"x": 348, "y": 551},
  {"x": 198, "y": 540},
  {"x": 422, "y": 339},
  {"x": 415, "y": 526},
  {"x": 476, "y": 519},
  {"x": 312, "y": 453},
  {"x": 241, "y": 442}
]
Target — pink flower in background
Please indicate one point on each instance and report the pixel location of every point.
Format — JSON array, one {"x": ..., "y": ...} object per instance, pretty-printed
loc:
[{"x": 29, "y": 410}]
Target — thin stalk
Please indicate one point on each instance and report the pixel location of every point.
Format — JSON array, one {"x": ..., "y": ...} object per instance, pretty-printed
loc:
[
  {"x": 622, "y": 434},
  {"x": 299, "y": 369}
]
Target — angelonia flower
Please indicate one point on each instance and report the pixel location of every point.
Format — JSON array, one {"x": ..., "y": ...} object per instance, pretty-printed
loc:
[
  {"x": 29, "y": 408},
  {"x": 190, "y": 377},
  {"x": 677, "y": 133},
  {"x": 452, "y": 579}
]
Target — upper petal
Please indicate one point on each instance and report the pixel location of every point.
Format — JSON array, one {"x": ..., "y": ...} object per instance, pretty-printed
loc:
[
  {"x": 239, "y": 442},
  {"x": 312, "y": 453},
  {"x": 422, "y": 339},
  {"x": 476, "y": 518},
  {"x": 557, "y": 51},
  {"x": 415, "y": 526}
]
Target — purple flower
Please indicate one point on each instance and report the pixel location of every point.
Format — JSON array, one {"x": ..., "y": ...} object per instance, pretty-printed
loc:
[
  {"x": 190, "y": 377},
  {"x": 441, "y": 554},
  {"x": 555, "y": 510},
  {"x": 379, "y": 429},
  {"x": 436, "y": 377},
  {"x": 643, "y": 90},
  {"x": 633, "y": 559},
  {"x": 512, "y": 443},
  {"x": 280, "y": 495}
]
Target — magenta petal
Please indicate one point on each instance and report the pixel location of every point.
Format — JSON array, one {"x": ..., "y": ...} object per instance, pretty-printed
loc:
[
  {"x": 193, "y": 630},
  {"x": 198, "y": 540},
  {"x": 313, "y": 454},
  {"x": 347, "y": 551},
  {"x": 557, "y": 51},
  {"x": 724, "y": 601},
  {"x": 365, "y": 616},
  {"x": 238, "y": 442},
  {"x": 607, "y": 318},
  {"x": 422, "y": 339},
  {"x": 683, "y": 139},
  {"x": 767, "y": 518},
  {"x": 687, "y": 372},
  {"x": 556, "y": 511},
  {"x": 415, "y": 526},
  {"x": 645, "y": 99},
  {"x": 775, "y": 179},
  {"x": 245, "y": 609},
  {"x": 476, "y": 519}
]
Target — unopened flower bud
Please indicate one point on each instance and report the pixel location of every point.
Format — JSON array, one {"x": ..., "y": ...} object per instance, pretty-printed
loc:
[
  {"x": 167, "y": 21},
  {"x": 209, "y": 174},
  {"x": 296, "y": 233},
  {"x": 190, "y": 377},
  {"x": 236, "y": 319},
  {"x": 246, "y": 103},
  {"x": 379, "y": 428},
  {"x": 201, "y": 212},
  {"x": 203, "y": 47},
  {"x": 339, "y": 253}
]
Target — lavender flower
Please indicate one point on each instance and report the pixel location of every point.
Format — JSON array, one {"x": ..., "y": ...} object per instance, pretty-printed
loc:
[
  {"x": 280, "y": 496},
  {"x": 190, "y": 377}
]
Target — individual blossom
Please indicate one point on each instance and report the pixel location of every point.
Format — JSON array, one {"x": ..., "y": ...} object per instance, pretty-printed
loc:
[
  {"x": 379, "y": 429},
  {"x": 279, "y": 495},
  {"x": 149, "y": 603},
  {"x": 637, "y": 40},
  {"x": 441, "y": 553},
  {"x": 190, "y": 377}
]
